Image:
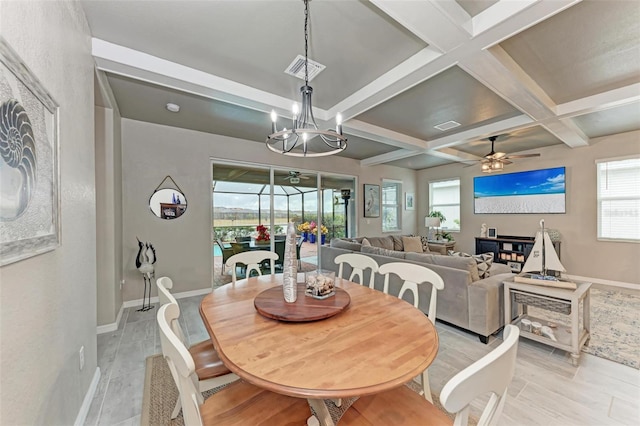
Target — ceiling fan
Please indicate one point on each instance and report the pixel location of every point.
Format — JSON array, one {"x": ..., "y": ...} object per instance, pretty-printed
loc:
[
  {"x": 294, "y": 177},
  {"x": 495, "y": 161}
]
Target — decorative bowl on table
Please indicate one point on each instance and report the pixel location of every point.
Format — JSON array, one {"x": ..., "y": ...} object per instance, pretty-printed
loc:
[{"x": 319, "y": 283}]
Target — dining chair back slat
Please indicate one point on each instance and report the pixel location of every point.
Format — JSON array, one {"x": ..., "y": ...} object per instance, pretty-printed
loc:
[
  {"x": 491, "y": 374},
  {"x": 252, "y": 259},
  {"x": 414, "y": 275},
  {"x": 238, "y": 403},
  {"x": 359, "y": 263},
  {"x": 210, "y": 371}
]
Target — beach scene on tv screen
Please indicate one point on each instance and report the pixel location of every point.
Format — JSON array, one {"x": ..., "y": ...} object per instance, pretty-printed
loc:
[{"x": 535, "y": 191}]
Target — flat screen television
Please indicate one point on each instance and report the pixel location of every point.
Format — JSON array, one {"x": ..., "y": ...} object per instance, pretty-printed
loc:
[{"x": 533, "y": 191}]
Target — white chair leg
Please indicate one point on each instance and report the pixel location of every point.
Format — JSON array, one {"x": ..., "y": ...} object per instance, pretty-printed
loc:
[
  {"x": 426, "y": 388},
  {"x": 337, "y": 402},
  {"x": 176, "y": 410}
]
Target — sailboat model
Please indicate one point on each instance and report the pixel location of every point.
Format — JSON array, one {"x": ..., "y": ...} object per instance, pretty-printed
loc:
[{"x": 542, "y": 258}]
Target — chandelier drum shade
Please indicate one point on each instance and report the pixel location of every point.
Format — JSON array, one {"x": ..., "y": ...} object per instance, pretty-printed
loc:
[{"x": 304, "y": 131}]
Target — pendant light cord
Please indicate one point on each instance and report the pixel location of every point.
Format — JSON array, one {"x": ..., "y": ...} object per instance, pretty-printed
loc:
[{"x": 306, "y": 42}]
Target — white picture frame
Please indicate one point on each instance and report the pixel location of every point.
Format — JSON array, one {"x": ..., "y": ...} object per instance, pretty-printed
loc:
[
  {"x": 29, "y": 193},
  {"x": 409, "y": 201},
  {"x": 492, "y": 232}
]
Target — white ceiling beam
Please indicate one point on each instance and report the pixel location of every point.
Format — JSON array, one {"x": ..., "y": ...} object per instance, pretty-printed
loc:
[
  {"x": 428, "y": 21},
  {"x": 382, "y": 135},
  {"x": 600, "y": 102},
  {"x": 496, "y": 14},
  {"x": 498, "y": 71},
  {"x": 453, "y": 154},
  {"x": 137, "y": 65},
  {"x": 388, "y": 157}
]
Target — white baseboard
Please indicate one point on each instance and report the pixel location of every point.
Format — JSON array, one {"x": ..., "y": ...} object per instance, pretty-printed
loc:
[
  {"x": 599, "y": 282},
  {"x": 88, "y": 398},
  {"x": 138, "y": 302},
  {"x": 108, "y": 328}
]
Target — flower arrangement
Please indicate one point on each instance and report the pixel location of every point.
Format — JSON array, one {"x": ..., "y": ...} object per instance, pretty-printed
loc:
[
  {"x": 323, "y": 230},
  {"x": 263, "y": 234},
  {"x": 304, "y": 227}
]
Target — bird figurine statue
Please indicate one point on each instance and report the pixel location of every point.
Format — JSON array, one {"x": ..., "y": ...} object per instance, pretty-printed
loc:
[{"x": 144, "y": 262}]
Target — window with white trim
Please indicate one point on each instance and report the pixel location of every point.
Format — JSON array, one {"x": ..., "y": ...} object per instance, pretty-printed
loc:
[
  {"x": 391, "y": 205},
  {"x": 619, "y": 199},
  {"x": 444, "y": 196}
]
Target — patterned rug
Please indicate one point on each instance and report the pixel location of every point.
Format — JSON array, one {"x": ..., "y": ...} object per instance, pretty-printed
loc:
[
  {"x": 615, "y": 326},
  {"x": 161, "y": 394}
]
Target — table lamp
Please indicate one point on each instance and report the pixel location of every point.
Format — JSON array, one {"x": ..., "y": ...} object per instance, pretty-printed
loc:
[{"x": 431, "y": 222}]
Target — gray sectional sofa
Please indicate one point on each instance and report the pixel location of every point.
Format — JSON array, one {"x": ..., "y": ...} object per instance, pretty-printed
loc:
[{"x": 467, "y": 301}]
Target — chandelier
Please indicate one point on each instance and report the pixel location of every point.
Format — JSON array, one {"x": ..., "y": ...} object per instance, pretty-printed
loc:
[{"x": 304, "y": 130}]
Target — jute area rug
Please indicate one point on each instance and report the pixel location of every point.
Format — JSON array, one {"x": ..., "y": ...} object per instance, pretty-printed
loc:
[
  {"x": 615, "y": 326},
  {"x": 161, "y": 394}
]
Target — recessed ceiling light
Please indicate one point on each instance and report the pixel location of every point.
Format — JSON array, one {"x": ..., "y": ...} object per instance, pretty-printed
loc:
[
  {"x": 173, "y": 107},
  {"x": 446, "y": 126}
]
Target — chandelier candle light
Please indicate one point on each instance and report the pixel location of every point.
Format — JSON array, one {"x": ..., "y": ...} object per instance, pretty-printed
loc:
[{"x": 295, "y": 141}]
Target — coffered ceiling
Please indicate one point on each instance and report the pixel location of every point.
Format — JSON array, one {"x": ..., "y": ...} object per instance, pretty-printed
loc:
[{"x": 537, "y": 73}]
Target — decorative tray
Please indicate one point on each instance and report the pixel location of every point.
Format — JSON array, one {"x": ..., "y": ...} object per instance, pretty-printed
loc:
[{"x": 270, "y": 303}]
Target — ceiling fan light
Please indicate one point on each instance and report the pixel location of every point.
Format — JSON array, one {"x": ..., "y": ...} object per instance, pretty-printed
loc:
[{"x": 497, "y": 165}]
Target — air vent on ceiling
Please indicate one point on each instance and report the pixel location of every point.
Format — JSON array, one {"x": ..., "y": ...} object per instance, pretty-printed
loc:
[
  {"x": 446, "y": 126},
  {"x": 296, "y": 68}
]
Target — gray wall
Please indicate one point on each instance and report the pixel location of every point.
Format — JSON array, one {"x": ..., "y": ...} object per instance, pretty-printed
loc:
[
  {"x": 183, "y": 246},
  {"x": 582, "y": 255},
  {"x": 47, "y": 304},
  {"x": 108, "y": 213}
]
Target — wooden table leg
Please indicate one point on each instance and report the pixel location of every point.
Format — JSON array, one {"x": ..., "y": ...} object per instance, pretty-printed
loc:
[
  {"x": 575, "y": 331},
  {"x": 322, "y": 412}
]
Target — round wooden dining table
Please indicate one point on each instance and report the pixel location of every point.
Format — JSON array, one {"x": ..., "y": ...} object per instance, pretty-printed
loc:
[{"x": 377, "y": 343}]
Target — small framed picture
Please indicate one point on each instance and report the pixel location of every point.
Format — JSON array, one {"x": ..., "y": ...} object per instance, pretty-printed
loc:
[
  {"x": 409, "y": 201},
  {"x": 371, "y": 200},
  {"x": 492, "y": 233},
  {"x": 515, "y": 266}
]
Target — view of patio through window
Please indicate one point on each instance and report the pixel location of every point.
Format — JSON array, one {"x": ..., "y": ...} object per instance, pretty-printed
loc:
[{"x": 244, "y": 199}]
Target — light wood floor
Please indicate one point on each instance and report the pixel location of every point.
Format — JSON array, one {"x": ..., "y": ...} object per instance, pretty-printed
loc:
[{"x": 547, "y": 390}]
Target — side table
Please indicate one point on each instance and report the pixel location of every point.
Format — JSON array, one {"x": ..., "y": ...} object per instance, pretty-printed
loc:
[
  {"x": 569, "y": 338},
  {"x": 441, "y": 247}
]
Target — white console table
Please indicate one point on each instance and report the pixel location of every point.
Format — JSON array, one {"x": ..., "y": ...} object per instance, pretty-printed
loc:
[{"x": 569, "y": 338}]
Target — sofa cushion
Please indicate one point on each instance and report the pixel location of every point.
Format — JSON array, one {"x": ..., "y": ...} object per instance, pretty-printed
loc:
[
  {"x": 412, "y": 244},
  {"x": 465, "y": 263},
  {"x": 383, "y": 242},
  {"x": 483, "y": 261},
  {"x": 398, "y": 245},
  {"x": 383, "y": 251},
  {"x": 343, "y": 244}
]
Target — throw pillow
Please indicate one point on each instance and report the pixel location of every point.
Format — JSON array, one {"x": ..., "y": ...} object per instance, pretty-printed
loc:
[
  {"x": 397, "y": 243},
  {"x": 383, "y": 242},
  {"x": 382, "y": 251},
  {"x": 484, "y": 261},
  {"x": 366, "y": 242},
  {"x": 412, "y": 244}
]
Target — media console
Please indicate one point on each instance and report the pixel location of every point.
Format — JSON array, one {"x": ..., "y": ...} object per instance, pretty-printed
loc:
[{"x": 510, "y": 250}]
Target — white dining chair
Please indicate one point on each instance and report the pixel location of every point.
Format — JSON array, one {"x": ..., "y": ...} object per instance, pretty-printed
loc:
[
  {"x": 252, "y": 259},
  {"x": 209, "y": 369},
  {"x": 414, "y": 275},
  {"x": 490, "y": 375},
  {"x": 359, "y": 263},
  {"x": 238, "y": 403}
]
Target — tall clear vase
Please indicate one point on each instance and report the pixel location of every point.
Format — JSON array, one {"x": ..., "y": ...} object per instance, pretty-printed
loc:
[{"x": 290, "y": 266}]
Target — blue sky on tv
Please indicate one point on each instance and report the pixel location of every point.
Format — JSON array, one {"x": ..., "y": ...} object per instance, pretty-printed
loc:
[{"x": 545, "y": 181}]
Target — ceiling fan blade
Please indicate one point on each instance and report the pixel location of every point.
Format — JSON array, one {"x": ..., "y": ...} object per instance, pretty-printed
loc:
[
  {"x": 498, "y": 155},
  {"x": 505, "y": 161},
  {"x": 523, "y": 156}
]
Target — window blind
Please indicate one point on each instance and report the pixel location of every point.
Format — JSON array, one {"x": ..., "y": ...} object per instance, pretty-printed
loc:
[{"x": 618, "y": 189}]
